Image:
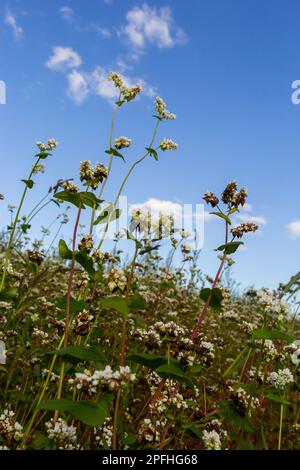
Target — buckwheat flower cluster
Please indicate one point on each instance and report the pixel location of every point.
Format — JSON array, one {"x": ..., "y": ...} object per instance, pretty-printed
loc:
[
  {"x": 272, "y": 302},
  {"x": 122, "y": 143},
  {"x": 211, "y": 199},
  {"x": 161, "y": 110},
  {"x": 92, "y": 176},
  {"x": 140, "y": 221},
  {"x": 126, "y": 93},
  {"x": 169, "y": 396},
  {"x": 168, "y": 144},
  {"x": 39, "y": 168},
  {"x": 232, "y": 197},
  {"x": 68, "y": 185},
  {"x": 211, "y": 440},
  {"x": 164, "y": 226},
  {"x": 241, "y": 229},
  {"x": 48, "y": 146},
  {"x": 86, "y": 243},
  {"x": 86, "y": 382},
  {"x": 281, "y": 379},
  {"x": 270, "y": 352},
  {"x": 295, "y": 357},
  {"x": 63, "y": 435},
  {"x": 243, "y": 402},
  {"x": 104, "y": 434},
  {"x": 113, "y": 379},
  {"x": 83, "y": 322},
  {"x": 116, "y": 279},
  {"x": 151, "y": 432},
  {"x": 10, "y": 429}
]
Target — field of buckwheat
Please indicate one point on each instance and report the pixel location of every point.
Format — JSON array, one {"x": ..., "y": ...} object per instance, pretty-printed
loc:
[{"x": 101, "y": 353}]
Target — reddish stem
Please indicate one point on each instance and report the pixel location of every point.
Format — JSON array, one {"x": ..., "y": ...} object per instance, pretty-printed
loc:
[
  {"x": 207, "y": 303},
  {"x": 71, "y": 278}
]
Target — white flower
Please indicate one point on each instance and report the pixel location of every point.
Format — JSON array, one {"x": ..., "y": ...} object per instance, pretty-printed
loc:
[
  {"x": 122, "y": 142},
  {"x": 211, "y": 440},
  {"x": 295, "y": 357},
  {"x": 281, "y": 378},
  {"x": 168, "y": 144}
]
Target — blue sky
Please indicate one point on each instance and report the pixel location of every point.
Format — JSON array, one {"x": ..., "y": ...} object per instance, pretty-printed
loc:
[{"x": 224, "y": 67}]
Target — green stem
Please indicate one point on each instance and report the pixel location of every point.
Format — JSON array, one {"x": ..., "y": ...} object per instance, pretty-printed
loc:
[
  {"x": 125, "y": 180},
  {"x": 12, "y": 233},
  {"x": 109, "y": 164}
]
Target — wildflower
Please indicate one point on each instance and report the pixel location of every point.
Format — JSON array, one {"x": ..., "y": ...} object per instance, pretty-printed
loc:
[
  {"x": 211, "y": 198},
  {"x": 122, "y": 142},
  {"x": 35, "y": 257},
  {"x": 161, "y": 110},
  {"x": 168, "y": 144},
  {"x": 86, "y": 243},
  {"x": 241, "y": 229},
  {"x": 86, "y": 170},
  {"x": 116, "y": 279},
  {"x": 83, "y": 322},
  {"x": 116, "y": 79},
  {"x": 130, "y": 93},
  {"x": 281, "y": 378},
  {"x": 45, "y": 147},
  {"x": 10, "y": 429},
  {"x": 39, "y": 168},
  {"x": 229, "y": 193},
  {"x": 63, "y": 435},
  {"x": 239, "y": 198},
  {"x": 69, "y": 186},
  {"x": 211, "y": 440},
  {"x": 295, "y": 357}
]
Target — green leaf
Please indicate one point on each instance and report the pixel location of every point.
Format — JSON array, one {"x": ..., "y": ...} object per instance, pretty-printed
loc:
[
  {"x": 231, "y": 415},
  {"x": 82, "y": 353},
  {"x": 271, "y": 334},
  {"x": 278, "y": 399},
  {"x": 192, "y": 427},
  {"x": 215, "y": 296},
  {"x": 115, "y": 303},
  {"x": 88, "y": 413},
  {"x": 174, "y": 372},
  {"x": 89, "y": 199},
  {"x": 115, "y": 153},
  {"x": 151, "y": 360},
  {"x": 230, "y": 247},
  {"x": 67, "y": 196},
  {"x": 236, "y": 364},
  {"x": 108, "y": 214},
  {"x": 136, "y": 302},
  {"x": 75, "y": 305},
  {"x": 129, "y": 440},
  {"x": 152, "y": 152},
  {"x": 29, "y": 183},
  {"x": 85, "y": 261},
  {"x": 223, "y": 216},
  {"x": 8, "y": 294},
  {"x": 63, "y": 250}
]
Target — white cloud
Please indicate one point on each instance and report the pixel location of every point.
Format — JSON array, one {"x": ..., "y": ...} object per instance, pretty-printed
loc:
[
  {"x": 294, "y": 229},
  {"x": 246, "y": 208},
  {"x": 67, "y": 13},
  {"x": 246, "y": 218},
  {"x": 149, "y": 24},
  {"x": 63, "y": 58},
  {"x": 11, "y": 21},
  {"x": 104, "y": 32},
  {"x": 77, "y": 86},
  {"x": 81, "y": 84}
]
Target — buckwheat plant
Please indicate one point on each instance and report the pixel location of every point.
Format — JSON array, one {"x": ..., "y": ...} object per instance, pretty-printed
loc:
[{"x": 102, "y": 349}]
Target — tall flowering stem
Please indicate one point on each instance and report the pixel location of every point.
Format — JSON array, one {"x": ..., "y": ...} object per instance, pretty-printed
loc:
[
  {"x": 137, "y": 162},
  {"x": 207, "y": 303},
  {"x": 71, "y": 278},
  {"x": 13, "y": 229},
  {"x": 109, "y": 163}
]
